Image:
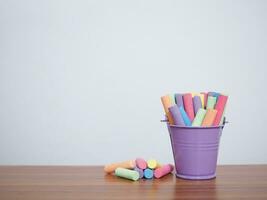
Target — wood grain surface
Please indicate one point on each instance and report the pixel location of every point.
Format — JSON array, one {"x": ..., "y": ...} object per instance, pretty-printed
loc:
[{"x": 90, "y": 182}]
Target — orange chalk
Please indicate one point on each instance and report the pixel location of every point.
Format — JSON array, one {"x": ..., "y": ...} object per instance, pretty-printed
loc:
[
  {"x": 166, "y": 102},
  {"x": 209, "y": 117},
  {"x": 129, "y": 164}
]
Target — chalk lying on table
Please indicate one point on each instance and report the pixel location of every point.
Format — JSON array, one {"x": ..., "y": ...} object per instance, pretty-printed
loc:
[
  {"x": 211, "y": 102},
  {"x": 209, "y": 117},
  {"x": 164, "y": 170},
  {"x": 176, "y": 115},
  {"x": 129, "y": 164},
  {"x": 220, "y": 105},
  {"x": 166, "y": 101},
  {"x": 127, "y": 173},
  {"x": 199, "y": 117},
  {"x": 185, "y": 117},
  {"x": 140, "y": 171},
  {"x": 141, "y": 163},
  {"x": 148, "y": 173},
  {"x": 179, "y": 100},
  {"x": 152, "y": 164},
  {"x": 197, "y": 103}
]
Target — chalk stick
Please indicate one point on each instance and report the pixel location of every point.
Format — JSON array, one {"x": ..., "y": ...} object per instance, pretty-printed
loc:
[
  {"x": 211, "y": 102},
  {"x": 176, "y": 115},
  {"x": 186, "y": 119},
  {"x": 197, "y": 103},
  {"x": 199, "y": 117},
  {"x": 166, "y": 102},
  {"x": 163, "y": 170},
  {"x": 209, "y": 117},
  {"x": 214, "y": 94},
  {"x": 148, "y": 173},
  {"x": 129, "y": 164},
  {"x": 152, "y": 164},
  {"x": 205, "y": 98},
  {"x": 140, "y": 171},
  {"x": 201, "y": 98},
  {"x": 127, "y": 173},
  {"x": 172, "y": 98},
  {"x": 179, "y": 100},
  {"x": 225, "y": 107},
  {"x": 140, "y": 163},
  {"x": 222, "y": 100},
  {"x": 188, "y": 105}
]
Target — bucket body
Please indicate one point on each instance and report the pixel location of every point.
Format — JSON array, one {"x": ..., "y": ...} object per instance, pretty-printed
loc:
[{"x": 195, "y": 150}]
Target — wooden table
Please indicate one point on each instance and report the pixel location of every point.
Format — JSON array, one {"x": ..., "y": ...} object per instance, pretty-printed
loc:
[{"x": 87, "y": 182}]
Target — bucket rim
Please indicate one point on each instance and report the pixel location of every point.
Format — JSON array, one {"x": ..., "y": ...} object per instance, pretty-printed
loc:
[{"x": 194, "y": 127}]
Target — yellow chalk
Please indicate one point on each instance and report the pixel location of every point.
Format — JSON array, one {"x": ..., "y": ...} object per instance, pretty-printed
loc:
[{"x": 153, "y": 164}]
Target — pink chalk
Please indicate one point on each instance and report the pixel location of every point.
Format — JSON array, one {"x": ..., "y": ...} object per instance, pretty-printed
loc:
[
  {"x": 141, "y": 163},
  {"x": 164, "y": 170},
  {"x": 188, "y": 105},
  {"x": 220, "y": 105}
]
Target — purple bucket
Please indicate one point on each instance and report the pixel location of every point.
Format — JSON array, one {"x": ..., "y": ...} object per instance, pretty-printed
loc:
[{"x": 195, "y": 150}]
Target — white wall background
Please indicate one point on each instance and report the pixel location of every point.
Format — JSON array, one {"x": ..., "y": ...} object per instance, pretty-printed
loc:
[{"x": 80, "y": 81}]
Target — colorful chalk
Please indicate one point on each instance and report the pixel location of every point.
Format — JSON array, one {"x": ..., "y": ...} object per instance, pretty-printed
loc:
[
  {"x": 127, "y": 173},
  {"x": 211, "y": 102},
  {"x": 179, "y": 100},
  {"x": 164, "y": 170},
  {"x": 140, "y": 171},
  {"x": 148, "y": 173},
  {"x": 188, "y": 105},
  {"x": 176, "y": 115},
  {"x": 199, "y": 117},
  {"x": 129, "y": 164},
  {"x": 152, "y": 164},
  {"x": 172, "y": 98},
  {"x": 184, "y": 111},
  {"x": 141, "y": 163},
  {"x": 214, "y": 94},
  {"x": 205, "y": 98},
  {"x": 197, "y": 103},
  {"x": 166, "y": 101},
  {"x": 209, "y": 117},
  {"x": 220, "y": 105},
  {"x": 201, "y": 96},
  {"x": 186, "y": 119}
]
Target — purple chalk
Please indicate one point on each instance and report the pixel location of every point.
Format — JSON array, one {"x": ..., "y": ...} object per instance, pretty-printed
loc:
[
  {"x": 197, "y": 103},
  {"x": 176, "y": 115},
  {"x": 179, "y": 100},
  {"x": 140, "y": 171}
]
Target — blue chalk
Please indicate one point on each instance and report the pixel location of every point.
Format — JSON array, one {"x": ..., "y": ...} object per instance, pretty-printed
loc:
[
  {"x": 148, "y": 173},
  {"x": 185, "y": 116},
  {"x": 214, "y": 94}
]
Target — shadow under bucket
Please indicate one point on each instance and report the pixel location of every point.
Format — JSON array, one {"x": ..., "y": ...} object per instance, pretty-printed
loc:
[{"x": 195, "y": 150}]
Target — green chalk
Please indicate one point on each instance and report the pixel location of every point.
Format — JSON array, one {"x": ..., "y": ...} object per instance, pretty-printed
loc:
[
  {"x": 199, "y": 117},
  {"x": 127, "y": 173},
  {"x": 211, "y": 102},
  {"x": 172, "y": 97}
]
